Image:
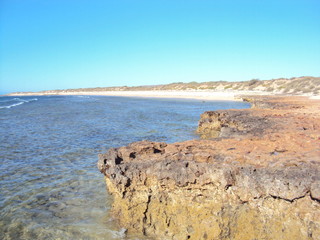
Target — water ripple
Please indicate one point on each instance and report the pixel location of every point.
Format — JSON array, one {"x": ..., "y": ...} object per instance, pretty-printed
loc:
[{"x": 50, "y": 186}]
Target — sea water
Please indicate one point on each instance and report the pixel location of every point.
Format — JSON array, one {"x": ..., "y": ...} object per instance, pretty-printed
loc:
[{"x": 50, "y": 187}]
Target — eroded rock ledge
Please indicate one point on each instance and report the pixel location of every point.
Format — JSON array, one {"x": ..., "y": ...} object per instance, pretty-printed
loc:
[{"x": 259, "y": 178}]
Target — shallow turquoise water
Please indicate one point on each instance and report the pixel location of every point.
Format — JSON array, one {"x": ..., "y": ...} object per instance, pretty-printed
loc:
[{"x": 50, "y": 186}]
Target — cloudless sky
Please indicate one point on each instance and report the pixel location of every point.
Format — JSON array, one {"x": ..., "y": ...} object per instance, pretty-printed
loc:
[{"x": 58, "y": 44}]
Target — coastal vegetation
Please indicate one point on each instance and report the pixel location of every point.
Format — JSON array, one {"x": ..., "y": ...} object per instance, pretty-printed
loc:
[{"x": 294, "y": 86}]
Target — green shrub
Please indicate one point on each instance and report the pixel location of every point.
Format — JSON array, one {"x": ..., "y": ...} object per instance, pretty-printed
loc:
[
  {"x": 270, "y": 89},
  {"x": 253, "y": 82}
]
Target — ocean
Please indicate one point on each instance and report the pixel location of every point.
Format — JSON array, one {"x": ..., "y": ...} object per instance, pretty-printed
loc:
[{"x": 50, "y": 187}]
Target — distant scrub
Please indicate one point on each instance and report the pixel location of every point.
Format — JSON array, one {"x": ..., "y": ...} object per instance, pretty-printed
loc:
[
  {"x": 292, "y": 85},
  {"x": 270, "y": 89},
  {"x": 253, "y": 82}
]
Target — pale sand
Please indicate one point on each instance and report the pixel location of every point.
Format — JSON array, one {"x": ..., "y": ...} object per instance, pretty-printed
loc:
[
  {"x": 314, "y": 97},
  {"x": 201, "y": 95}
]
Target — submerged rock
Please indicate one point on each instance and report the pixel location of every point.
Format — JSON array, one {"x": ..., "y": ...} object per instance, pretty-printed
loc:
[{"x": 260, "y": 179}]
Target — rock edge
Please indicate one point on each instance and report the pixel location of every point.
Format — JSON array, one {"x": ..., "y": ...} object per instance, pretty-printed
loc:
[{"x": 257, "y": 179}]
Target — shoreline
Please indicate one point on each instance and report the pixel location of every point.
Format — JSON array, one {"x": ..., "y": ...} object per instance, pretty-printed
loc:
[{"x": 197, "y": 95}]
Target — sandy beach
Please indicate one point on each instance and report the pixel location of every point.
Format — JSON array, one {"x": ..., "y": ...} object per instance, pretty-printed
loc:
[{"x": 201, "y": 95}]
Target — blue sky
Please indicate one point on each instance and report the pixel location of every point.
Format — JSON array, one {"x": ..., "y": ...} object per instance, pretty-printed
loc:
[{"x": 58, "y": 44}]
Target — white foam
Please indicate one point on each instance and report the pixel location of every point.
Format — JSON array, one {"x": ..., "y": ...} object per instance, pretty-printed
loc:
[
  {"x": 20, "y": 102},
  {"x": 119, "y": 234},
  {"x": 81, "y": 96},
  {"x": 29, "y": 100},
  {"x": 13, "y": 105}
]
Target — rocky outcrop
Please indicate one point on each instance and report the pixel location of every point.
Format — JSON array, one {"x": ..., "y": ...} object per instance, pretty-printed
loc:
[
  {"x": 235, "y": 123},
  {"x": 260, "y": 179}
]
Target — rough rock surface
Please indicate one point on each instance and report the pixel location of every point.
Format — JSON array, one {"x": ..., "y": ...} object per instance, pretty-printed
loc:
[{"x": 259, "y": 178}]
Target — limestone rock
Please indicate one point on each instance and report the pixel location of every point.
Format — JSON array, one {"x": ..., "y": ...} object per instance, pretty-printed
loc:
[{"x": 260, "y": 179}]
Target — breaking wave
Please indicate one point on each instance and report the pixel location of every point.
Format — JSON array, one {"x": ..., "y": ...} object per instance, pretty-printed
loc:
[{"x": 9, "y": 103}]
